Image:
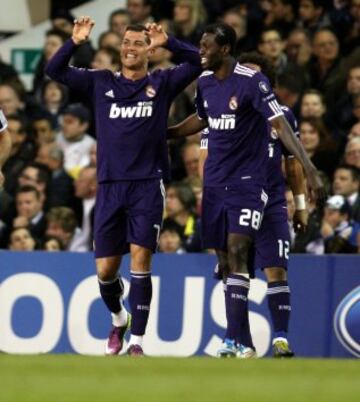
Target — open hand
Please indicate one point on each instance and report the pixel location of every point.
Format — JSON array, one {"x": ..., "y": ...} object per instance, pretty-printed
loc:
[
  {"x": 82, "y": 29},
  {"x": 157, "y": 35}
]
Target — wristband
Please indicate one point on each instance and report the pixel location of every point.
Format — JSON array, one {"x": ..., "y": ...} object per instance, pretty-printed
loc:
[{"x": 300, "y": 203}]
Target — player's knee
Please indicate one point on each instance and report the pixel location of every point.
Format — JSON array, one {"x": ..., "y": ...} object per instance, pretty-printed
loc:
[
  {"x": 140, "y": 258},
  {"x": 238, "y": 255},
  {"x": 275, "y": 274},
  {"x": 107, "y": 268}
]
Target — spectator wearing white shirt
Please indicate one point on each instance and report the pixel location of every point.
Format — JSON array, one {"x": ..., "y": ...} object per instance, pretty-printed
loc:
[{"x": 73, "y": 140}]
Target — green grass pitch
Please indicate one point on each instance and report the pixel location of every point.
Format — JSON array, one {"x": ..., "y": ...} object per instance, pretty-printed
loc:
[{"x": 70, "y": 378}]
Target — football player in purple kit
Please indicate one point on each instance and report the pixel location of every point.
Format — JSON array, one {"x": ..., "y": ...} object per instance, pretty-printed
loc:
[
  {"x": 131, "y": 110},
  {"x": 237, "y": 104},
  {"x": 5, "y": 144},
  {"x": 272, "y": 242}
]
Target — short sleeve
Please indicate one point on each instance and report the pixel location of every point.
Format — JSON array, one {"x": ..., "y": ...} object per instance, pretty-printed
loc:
[
  {"x": 199, "y": 104},
  {"x": 3, "y": 121},
  {"x": 262, "y": 97}
]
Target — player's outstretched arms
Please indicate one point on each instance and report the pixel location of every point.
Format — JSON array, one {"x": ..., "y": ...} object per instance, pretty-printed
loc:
[
  {"x": 190, "y": 126},
  {"x": 296, "y": 180},
  {"x": 292, "y": 144},
  {"x": 5, "y": 148},
  {"x": 58, "y": 67}
]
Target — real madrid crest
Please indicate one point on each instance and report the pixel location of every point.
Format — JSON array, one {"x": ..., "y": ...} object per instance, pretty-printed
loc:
[
  {"x": 233, "y": 104},
  {"x": 150, "y": 91}
]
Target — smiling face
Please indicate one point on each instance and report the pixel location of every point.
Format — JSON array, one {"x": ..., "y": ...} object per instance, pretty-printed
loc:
[
  {"x": 211, "y": 52},
  {"x": 134, "y": 50}
]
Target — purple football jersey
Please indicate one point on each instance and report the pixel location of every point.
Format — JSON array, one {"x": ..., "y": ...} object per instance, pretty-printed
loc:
[
  {"x": 237, "y": 110},
  {"x": 275, "y": 179},
  {"x": 131, "y": 116},
  {"x": 3, "y": 121}
]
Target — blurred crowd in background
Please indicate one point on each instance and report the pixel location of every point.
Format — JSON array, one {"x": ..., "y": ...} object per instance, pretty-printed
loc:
[{"x": 48, "y": 198}]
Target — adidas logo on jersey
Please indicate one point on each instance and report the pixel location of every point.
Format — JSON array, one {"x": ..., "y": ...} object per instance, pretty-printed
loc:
[
  {"x": 110, "y": 94},
  {"x": 225, "y": 122},
  {"x": 142, "y": 109}
]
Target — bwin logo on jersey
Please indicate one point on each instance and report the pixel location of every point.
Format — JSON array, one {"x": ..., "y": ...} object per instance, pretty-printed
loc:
[
  {"x": 347, "y": 322},
  {"x": 225, "y": 122},
  {"x": 142, "y": 109}
]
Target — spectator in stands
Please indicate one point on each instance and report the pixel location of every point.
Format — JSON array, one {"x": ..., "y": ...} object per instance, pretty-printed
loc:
[
  {"x": 30, "y": 212},
  {"x": 85, "y": 190},
  {"x": 8, "y": 74},
  {"x": 11, "y": 100},
  {"x": 52, "y": 243},
  {"x": 61, "y": 188},
  {"x": 63, "y": 20},
  {"x": 54, "y": 97},
  {"x": 170, "y": 240},
  {"x": 325, "y": 69},
  {"x": 272, "y": 46},
  {"x": 36, "y": 175},
  {"x": 312, "y": 105},
  {"x": 281, "y": 16},
  {"x": 54, "y": 39},
  {"x": 298, "y": 47},
  {"x": 73, "y": 140},
  {"x": 180, "y": 209},
  {"x": 352, "y": 37},
  {"x": 339, "y": 234},
  {"x": 139, "y": 11},
  {"x": 109, "y": 39},
  {"x": 190, "y": 157},
  {"x": 118, "y": 21},
  {"x": 354, "y": 131},
  {"x": 22, "y": 152},
  {"x": 188, "y": 20},
  {"x": 352, "y": 152},
  {"x": 237, "y": 21},
  {"x": 312, "y": 14},
  {"x": 106, "y": 58},
  {"x": 44, "y": 128},
  {"x": 347, "y": 183},
  {"x": 62, "y": 224},
  {"x": 21, "y": 240},
  {"x": 160, "y": 59},
  {"x": 344, "y": 106},
  {"x": 318, "y": 145}
]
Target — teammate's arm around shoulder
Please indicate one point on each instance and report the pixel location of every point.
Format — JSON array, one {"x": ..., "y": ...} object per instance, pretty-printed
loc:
[{"x": 58, "y": 67}]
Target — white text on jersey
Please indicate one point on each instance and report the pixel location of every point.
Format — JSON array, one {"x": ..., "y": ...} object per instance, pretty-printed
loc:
[
  {"x": 225, "y": 122},
  {"x": 142, "y": 109}
]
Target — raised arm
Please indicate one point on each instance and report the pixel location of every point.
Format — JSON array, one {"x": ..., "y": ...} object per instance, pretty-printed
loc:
[
  {"x": 293, "y": 145},
  {"x": 58, "y": 67},
  {"x": 5, "y": 144}
]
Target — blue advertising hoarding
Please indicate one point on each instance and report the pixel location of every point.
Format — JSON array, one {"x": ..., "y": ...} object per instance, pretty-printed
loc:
[{"x": 49, "y": 303}]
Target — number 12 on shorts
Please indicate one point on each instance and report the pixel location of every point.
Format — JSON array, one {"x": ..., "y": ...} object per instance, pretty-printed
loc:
[
  {"x": 248, "y": 217},
  {"x": 284, "y": 248}
]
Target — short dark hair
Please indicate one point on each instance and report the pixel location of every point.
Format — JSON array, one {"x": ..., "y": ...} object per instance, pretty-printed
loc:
[
  {"x": 28, "y": 189},
  {"x": 256, "y": 58},
  {"x": 224, "y": 35},
  {"x": 138, "y": 28},
  {"x": 19, "y": 119},
  {"x": 185, "y": 195},
  {"x": 270, "y": 29},
  {"x": 43, "y": 172},
  {"x": 45, "y": 115},
  {"x": 355, "y": 172},
  {"x": 112, "y": 53},
  {"x": 58, "y": 32}
]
